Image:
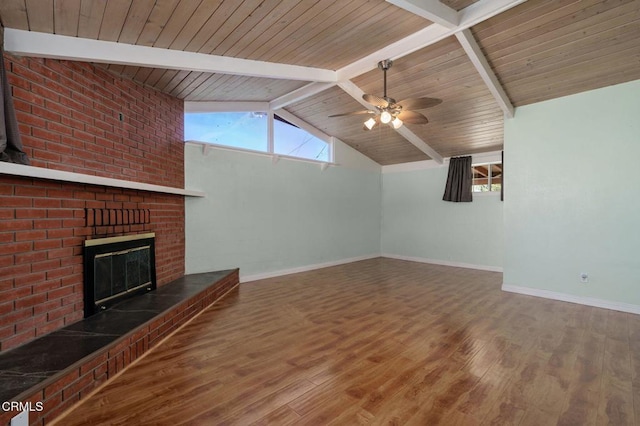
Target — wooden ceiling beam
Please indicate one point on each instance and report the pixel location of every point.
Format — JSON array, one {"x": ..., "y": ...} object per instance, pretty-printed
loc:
[
  {"x": 356, "y": 93},
  {"x": 299, "y": 94},
  {"x": 41, "y": 45},
  {"x": 432, "y": 10},
  {"x": 481, "y": 64},
  {"x": 420, "y": 144},
  {"x": 416, "y": 41}
]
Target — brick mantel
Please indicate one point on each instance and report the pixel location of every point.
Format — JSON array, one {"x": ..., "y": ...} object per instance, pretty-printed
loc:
[{"x": 59, "y": 175}]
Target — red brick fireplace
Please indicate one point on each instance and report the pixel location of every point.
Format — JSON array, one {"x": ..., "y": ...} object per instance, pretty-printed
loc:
[{"x": 79, "y": 118}]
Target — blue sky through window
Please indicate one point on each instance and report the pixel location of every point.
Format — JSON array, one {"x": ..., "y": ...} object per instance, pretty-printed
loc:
[
  {"x": 248, "y": 130},
  {"x": 291, "y": 140}
]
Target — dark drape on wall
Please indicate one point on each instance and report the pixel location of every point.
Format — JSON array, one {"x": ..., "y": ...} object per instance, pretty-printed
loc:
[
  {"x": 459, "y": 180},
  {"x": 10, "y": 144}
]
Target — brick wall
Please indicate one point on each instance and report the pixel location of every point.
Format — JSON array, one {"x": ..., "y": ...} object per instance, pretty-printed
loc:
[{"x": 77, "y": 117}]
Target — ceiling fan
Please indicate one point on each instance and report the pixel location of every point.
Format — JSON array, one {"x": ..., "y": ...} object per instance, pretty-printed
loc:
[{"x": 388, "y": 111}]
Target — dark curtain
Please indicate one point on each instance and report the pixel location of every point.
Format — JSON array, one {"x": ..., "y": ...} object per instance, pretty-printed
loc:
[
  {"x": 459, "y": 180},
  {"x": 10, "y": 144}
]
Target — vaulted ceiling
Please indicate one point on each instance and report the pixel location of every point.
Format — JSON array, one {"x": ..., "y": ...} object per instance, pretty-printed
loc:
[{"x": 316, "y": 58}]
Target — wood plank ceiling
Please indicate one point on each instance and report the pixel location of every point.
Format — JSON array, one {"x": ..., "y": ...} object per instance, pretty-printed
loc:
[{"x": 538, "y": 50}]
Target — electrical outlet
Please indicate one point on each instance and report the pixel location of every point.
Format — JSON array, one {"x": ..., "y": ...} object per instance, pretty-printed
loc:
[
  {"x": 584, "y": 277},
  {"x": 21, "y": 419}
]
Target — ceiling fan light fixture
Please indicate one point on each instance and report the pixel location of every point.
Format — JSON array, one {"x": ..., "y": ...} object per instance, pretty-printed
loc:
[
  {"x": 387, "y": 110},
  {"x": 385, "y": 117},
  {"x": 370, "y": 123}
]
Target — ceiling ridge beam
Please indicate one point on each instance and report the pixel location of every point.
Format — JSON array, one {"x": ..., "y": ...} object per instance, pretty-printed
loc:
[
  {"x": 432, "y": 10},
  {"x": 356, "y": 93},
  {"x": 479, "y": 61},
  {"x": 41, "y": 45}
]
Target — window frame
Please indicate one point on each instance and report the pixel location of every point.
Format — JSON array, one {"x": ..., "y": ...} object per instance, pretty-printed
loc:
[
  {"x": 490, "y": 191},
  {"x": 230, "y": 107}
]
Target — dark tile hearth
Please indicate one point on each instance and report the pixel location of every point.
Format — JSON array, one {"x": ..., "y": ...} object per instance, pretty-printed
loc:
[
  {"x": 39, "y": 362},
  {"x": 33, "y": 363}
]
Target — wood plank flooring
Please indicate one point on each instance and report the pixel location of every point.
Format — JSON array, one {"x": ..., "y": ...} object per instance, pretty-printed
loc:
[{"x": 382, "y": 342}]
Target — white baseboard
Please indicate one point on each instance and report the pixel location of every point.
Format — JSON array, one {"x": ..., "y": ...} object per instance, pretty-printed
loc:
[
  {"x": 443, "y": 262},
  {"x": 255, "y": 277},
  {"x": 581, "y": 300}
]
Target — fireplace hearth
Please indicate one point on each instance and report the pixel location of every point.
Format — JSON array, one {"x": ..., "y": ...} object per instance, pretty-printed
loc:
[{"x": 117, "y": 268}]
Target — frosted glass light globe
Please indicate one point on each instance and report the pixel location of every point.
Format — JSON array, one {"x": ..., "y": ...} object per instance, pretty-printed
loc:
[
  {"x": 396, "y": 123},
  {"x": 370, "y": 123}
]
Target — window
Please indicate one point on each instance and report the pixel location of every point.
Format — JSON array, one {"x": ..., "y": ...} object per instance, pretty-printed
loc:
[
  {"x": 289, "y": 139},
  {"x": 487, "y": 177},
  {"x": 247, "y": 130},
  {"x": 250, "y": 130}
]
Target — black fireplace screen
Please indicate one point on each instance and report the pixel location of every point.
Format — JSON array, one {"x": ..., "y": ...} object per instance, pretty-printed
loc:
[{"x": 117, "y": 268}]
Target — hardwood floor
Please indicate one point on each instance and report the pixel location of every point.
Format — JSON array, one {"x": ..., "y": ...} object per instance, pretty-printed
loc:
[{"x": 382, "y": 341}]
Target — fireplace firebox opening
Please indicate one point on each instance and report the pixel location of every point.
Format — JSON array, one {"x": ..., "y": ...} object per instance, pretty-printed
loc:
[{"x": 117, "y": 268}]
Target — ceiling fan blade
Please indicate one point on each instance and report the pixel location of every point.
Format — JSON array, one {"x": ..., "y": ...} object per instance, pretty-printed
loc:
[
  {"x": 366, "y": 111},
  {"x": 419, "y": 103},
  {"x": 412, "y": 117},
  {"x": 375, "y": 100}
]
